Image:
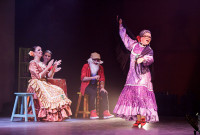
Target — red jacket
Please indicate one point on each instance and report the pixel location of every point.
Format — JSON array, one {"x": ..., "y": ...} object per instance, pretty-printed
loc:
[{"x": 85, "y": 72}]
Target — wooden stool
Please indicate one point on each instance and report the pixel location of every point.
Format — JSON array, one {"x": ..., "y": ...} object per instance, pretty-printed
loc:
[
  {"x": 85, "y": 111},
  {"x": 24, "y": 106}
]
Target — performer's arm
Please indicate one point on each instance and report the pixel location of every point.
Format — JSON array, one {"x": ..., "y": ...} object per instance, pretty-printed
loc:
[
  {"x": 90, "y": 78},
  {"x": 44, "y": 72},
  {"x": 128, "y": 42},
  {"x": 148, "y": 60},
  {"x": 52, "y": 72},
  {"x": 102, "y": 80},
  {"x": 54, "y": 69},
  {"x": 145, "y": 60},
  {"x": 33, "y": 68},
  {"x": 84, "y": 77}
]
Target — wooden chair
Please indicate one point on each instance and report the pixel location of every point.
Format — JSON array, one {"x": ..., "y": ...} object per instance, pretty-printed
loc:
[{"x": 85, "y": 110}]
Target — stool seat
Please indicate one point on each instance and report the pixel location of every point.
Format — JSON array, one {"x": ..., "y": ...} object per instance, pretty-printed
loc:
[
  {"x": 85, "y": 110},
  {"x": 24, "y": 106}
]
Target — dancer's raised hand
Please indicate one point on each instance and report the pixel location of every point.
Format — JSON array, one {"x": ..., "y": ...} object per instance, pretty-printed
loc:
[{"x": 120, "y": 21}]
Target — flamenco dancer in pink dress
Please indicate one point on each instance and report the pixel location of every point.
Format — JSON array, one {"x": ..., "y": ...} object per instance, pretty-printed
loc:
[
  {"x": 137, "y": 100},
  {"x": 50, "y": 101}
]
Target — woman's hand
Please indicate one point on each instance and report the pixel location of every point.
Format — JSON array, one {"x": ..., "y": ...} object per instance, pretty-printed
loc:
[
  {"x": 140, "y": 60},
  {"x": 50, "y": 63},
  {"x": 44, "y": 72},
  {"x": 57, "y": 62},
  {"x": 57, "y": 69},
  {"x": 119, "y": 20}
]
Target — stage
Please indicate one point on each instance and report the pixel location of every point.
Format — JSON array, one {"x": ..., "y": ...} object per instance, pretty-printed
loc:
[{"x": 114, "y": 126}]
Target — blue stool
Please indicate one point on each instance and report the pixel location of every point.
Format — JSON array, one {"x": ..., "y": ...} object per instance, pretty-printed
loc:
[{"x": 24, "y": 99}]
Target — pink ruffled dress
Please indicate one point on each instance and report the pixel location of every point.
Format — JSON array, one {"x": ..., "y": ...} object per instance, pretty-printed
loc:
[
  {"x": 50, "y": 101},
  {"x": 137, "y": 96}
]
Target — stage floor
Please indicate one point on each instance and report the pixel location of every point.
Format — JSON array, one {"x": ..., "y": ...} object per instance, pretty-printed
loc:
[{"x": 114, "y": 126}]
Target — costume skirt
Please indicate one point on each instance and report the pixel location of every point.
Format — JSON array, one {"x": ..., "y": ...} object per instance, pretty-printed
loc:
[
  {"x": 136, "y": 100},
  {"x": 50, "y": 101}
]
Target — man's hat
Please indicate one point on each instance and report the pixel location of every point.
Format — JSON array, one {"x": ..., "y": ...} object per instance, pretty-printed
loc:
[{"x": 95, "y": 55}]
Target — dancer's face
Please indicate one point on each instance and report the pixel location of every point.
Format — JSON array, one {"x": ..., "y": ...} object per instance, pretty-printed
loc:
[
  {"x": 146, "y": 39},
  {"x": 47, "y": 57},
  {"x": 38, "y": 51}
]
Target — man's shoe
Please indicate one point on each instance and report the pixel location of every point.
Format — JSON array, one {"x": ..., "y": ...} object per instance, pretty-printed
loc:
[
  {"x": 143, "y": 122},
  {"x": 107, "y": 115},
  {"x": 93, "y": 115},
  {"x": 137, "y": 123}
]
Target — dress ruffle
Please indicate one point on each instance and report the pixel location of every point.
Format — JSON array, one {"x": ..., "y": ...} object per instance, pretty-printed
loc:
[
  {"x": 50, "y": 101},
  {"x": 137, "y": 100}
]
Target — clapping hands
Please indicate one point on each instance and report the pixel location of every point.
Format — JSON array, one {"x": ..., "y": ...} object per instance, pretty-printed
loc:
[{"x": 56, "y": 64}]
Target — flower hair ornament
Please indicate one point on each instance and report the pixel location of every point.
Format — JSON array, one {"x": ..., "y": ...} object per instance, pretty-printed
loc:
[
  {"x": 31, "y": 53},
  {"x": 138, "y": 38}
]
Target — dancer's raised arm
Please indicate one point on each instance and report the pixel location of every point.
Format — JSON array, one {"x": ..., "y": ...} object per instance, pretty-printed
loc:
[{"x": 128, "y": 42}]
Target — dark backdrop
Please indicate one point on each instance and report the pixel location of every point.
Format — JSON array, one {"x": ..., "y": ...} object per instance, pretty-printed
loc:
[
  {"x": 7, "y": 55},
  {"x": 72, "y": 29}
]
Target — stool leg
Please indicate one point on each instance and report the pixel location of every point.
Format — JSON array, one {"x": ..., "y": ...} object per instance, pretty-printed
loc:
[
  {"x": 87, "y": 108},
  {"x": 25, "y": 106},
  {"x": 33, "y": 108},
  {"x": 29, "y": 104},
  {"x": 84, "y": 107},
  {"x": 22, "y": 107},
  {"x": 14, "y": 108},
  {"x": 78, "y": 105}
]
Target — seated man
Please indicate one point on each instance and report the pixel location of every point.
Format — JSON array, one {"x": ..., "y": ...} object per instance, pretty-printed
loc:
[{"x": 90, "y": 74}]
